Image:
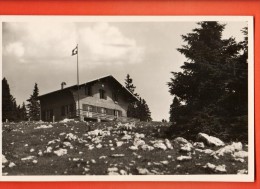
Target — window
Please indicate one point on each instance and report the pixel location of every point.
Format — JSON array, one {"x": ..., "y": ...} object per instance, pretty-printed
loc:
[
  {"x": 102, "y": 94},
  {"x": 103, "y": 110},
  {"x": 88, "y": 90}
]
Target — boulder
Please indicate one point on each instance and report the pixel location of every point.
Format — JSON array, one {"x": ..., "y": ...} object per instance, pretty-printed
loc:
[
  {"x": 229, "y": 149},
  {"x": 168, "y": 144},
  {"x": 199, "y": 145},
  {"x": 210, "y": 140},
  {"x": 184, "y": 158},
  {"x": 216, "y": 169},
  {"x": 143, "y": 171}
]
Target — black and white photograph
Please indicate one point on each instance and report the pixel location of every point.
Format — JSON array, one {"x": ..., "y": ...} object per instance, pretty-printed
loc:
[{"x": 114, "y": 98}]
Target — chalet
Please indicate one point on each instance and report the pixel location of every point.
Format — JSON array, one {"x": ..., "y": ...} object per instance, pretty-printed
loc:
[{"x": 103, "y": 99}]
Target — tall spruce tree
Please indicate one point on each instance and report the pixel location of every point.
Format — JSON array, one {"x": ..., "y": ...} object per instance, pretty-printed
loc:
[
  {"x": 9, "y": 107},
  {"x": 34, "y": 105},
  {"x": 139, "y": 109},
  {"x": 212, "y": 86}
]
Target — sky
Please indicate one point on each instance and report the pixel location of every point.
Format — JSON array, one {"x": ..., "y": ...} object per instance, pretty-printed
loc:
[{"x": 40, "y": 52}]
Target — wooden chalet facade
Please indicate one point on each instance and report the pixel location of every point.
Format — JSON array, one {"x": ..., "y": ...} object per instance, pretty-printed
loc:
[{"x": 103, "y": 99}]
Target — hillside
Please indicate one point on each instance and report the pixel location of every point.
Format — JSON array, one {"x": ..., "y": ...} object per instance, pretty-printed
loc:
[{"x": 81, "y": 148}]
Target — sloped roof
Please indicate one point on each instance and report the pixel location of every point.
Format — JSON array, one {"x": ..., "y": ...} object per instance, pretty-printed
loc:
[{"x": 89, "y": 82}]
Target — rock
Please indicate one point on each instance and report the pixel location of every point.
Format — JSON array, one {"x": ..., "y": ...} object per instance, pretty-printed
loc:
[
  {"x": 168, "y": 144},
  {"x": 122, "y": 172},
  {"x": 184, "y": 158},
  {"x": 68, "y": 144},
  {"x": 210, "y": 140},
  {"x": 119, "y": 143},
  {"x": 147, "y": 147},
  {"x": 90, "y": 147},
  {"x": 216, "y": 169},
  {"x": 44, "y": 127},
  {"x": 112, "y": 169},
  {"x": 164, "y": 162},
  {"x": 229, "y": 149},
  {"x": 143, "y": 171},
  {"x": 32, "y": 150},
  {"x": 60, "y": 152},
  {"x": 138, "y": 142},
  {"x": 242, "y": 172},
  {"x": 93, "y": 161},
  {"x": 102, "y": 157},
  {"x": 99, "y": 146},
  {"x": 199, "y": 145},
  {"x": 206, "y": 151},
  {"x": 186, "y": 147},
  {"x": 126, "y": 137},
  {"x": 137, "y": 135},
  {"x": 40, "y": 153},
  {"x": 48, "y": 150},
  {"x": 160, "y": 145},
  {"x": 35, "y": 161},
  {"x": 221, "y": 168},
  {"x": 71, "y": 136},
  {"x": 240, "y": 154},
  {"x": 4, "y": 160},
  {"x": 133, "y": 148},
  {"x": 28, "y": 158},
  {"x": 180, "y": 140},
  {"x": 11, "y": 164},
  {"x": 118, "y": 155}
]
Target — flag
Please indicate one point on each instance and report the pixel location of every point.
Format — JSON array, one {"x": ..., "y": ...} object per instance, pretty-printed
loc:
[{"x": 75, "y": 51}]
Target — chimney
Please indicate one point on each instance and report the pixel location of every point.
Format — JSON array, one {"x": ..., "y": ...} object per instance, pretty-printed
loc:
[{"x": 62, "y": 84}]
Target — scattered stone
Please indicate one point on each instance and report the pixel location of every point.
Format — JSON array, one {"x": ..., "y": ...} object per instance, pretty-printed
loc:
[
  {"x": 147, "y": 147},
  {"x": 66, "y": 120},
  {"x": 32, "y": 150},
  {"x": 119, "y": 143},
  {"x": 242, "y": 172},
  {"x": 137, "y": 135},
  {"x": 112, "y": 149},
  {"x": 40, "y": 153},
  {"x": 90, "y": 147},
  {"x": 122, "y": 172},
  {"x": 138, "y": 142},
  {"x": 4, "y": 160},
  {"x": 60, "y": 152},
  {"x": 160, "y": 145},
  {"x": 199, "y": 145},
  {"x": 93, "y": 161},
  {"x": 168, "y": 144},
  {"x": 133, "y": 148},
  {"x": 35, "y": 161},
  {"x": 99, "y": 146},
  {"x": 44, "y": 127},
  {"x": 216, "y": 169},
  {"x": 240, "y": 154},
  {"x": 184, "y": 158},
  {"x": 71, "y": 136},
  {"x": 164, "y": 162},
  {"x": 143, "y": 171},
  {"x": 11, "y": 164},
  {"x": 186, "y": 147},
  {"x": 26, "y": 145},
  {"x": 229, "y": 149},
  {"x": 102, "y": 157},
  {"x": 210, "y": 140},
  {"x": 28, "y": 158},
  {"x": 117, "y": 155},
  {"x": 126, "y": 137}
]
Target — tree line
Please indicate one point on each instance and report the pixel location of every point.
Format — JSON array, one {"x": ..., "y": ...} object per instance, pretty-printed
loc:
[
  {"x": 210, "y": 94},
  {"x": 12, "y": 112}
]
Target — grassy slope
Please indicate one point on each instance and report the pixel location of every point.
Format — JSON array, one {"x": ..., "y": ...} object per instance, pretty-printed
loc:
[{"x": 15, "y": 147}]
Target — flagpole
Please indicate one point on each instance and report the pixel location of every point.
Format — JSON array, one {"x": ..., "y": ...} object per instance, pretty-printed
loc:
[{"x": 78, "y": 79}]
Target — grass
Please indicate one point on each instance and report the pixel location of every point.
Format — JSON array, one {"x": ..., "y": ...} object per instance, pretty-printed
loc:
[{"x": 20, "y": 138}]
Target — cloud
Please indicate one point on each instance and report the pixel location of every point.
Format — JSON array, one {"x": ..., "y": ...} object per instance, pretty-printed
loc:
[{"x": 46, "y": 43}]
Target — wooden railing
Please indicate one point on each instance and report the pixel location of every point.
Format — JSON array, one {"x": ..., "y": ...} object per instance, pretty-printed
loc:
[{"x": 105, "y": 117}]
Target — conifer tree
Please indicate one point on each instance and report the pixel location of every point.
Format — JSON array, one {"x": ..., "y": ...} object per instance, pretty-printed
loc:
[
  {"x": 9, "y": 107},
  {"x": 212, "y": 85},
  {"x": 34, "y": 105},
  {"x": 139, "y": 109}
]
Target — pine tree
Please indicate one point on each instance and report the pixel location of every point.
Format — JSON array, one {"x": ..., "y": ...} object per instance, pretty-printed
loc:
[
  {"x": 23, "y": 113},
  {"x": 174, "y": 110},
  {"x": 139, "y": 109},
  {"x": 210, "y": 86},
  {"x": 34, "y": 105},
  {"x": 9, "y": 107}
]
